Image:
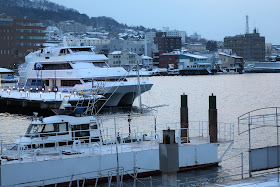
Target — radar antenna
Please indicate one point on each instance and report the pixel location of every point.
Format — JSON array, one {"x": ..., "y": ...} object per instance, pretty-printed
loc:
[{"x": 247, "y": 24}]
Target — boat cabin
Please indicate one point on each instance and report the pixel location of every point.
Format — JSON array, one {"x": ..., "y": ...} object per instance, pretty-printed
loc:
[{"x": 60, "y": 129}]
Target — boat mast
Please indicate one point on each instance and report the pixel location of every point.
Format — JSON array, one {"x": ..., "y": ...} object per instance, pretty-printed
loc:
[
  {"x": 118, "y": 175},
  {"x": 139, "y": 89}
]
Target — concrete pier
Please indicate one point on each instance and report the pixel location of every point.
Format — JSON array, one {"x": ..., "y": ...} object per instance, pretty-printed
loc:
[{"x": 169, "y": 159}]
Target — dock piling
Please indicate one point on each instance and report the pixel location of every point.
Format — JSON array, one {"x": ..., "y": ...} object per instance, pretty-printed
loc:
[
  {"x": 184, "y": 115},
  {"x": 213, "y": 119}
]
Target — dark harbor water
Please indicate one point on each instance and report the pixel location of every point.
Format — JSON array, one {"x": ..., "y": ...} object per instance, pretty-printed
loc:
[{"x": 236, "y": 95}]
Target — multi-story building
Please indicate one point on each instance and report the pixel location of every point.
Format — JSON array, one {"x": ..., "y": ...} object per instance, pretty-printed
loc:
[
  {"x": 231, "y": 62},
  {"x": 72, "y": 41},
  {"x": 125, "y": 59},
  {"x": 250, "y": 46},
  {"x": 150, "y": 37},
  {"x": 155, "y": 56},
  {"x": 190, "y": 64},
  {"x": 18, "y": 37},
  {"x": 195, "y": 36},
  {"x": 168, "y": 60},
  {"x": 137, "y": 47},
  {"x": 197, "y": 47},
  {"x": 72, "y": 26},
  {"x": 167, "y": 43},
  {"x": 147, "y": 62},
  {"x": 175, "y": 33},
  {"x": 53, "y": 33}
]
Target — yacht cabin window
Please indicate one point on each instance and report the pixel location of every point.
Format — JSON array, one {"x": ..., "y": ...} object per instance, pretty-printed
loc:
[
  {"x": 64, "y": 52},
  {"x": 75, "y": 50},
  {"x": 47, "y": 83},
  {"x": 70, "y": 82},
  {"x": 100, "y": 64},
  {"x": 47, "y": 128},
  {"x": 93, "y": 126},
  {"x": 80, "y": 130},
  {"x": 56, "y": 66}
]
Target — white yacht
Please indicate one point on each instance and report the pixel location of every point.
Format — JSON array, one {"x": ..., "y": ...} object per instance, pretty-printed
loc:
[{"x": 79, "y": 69}]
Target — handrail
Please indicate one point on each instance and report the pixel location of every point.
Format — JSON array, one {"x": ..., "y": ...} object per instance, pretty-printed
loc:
[
  {"x": 87, "y": 146},
  {"x": 262, "y": 120}
]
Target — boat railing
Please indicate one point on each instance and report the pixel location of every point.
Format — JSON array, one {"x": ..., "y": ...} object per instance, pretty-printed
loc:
[{"x": 88, "y": 145}]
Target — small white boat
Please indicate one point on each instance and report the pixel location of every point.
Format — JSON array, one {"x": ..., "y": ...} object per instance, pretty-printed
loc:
[{"x": 59, "y": 130}]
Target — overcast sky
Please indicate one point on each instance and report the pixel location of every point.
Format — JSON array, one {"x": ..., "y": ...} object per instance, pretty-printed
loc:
[{"x": 213, "y": 19}]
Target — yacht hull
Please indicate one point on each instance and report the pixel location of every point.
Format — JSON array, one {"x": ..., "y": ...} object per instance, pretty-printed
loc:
[{"x": 124, "y": 93}]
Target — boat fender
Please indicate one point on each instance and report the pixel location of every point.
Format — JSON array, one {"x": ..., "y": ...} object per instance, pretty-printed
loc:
[
  {"x": 55, "y": 89},
  {"x": 75, "y": 144},
  {"x": 156, "y": 135},
  {"x": 35, "y": 153},
  {"x": 144, "y": 135},
  {"x": 93, "y": 146}
]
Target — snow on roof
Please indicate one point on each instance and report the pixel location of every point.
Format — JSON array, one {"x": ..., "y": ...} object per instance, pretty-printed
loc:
[
  {"x": 5, "y": 70},
  {"x": 116, "y": 53},
  {"x": 170, "y": 54},
  {"x": 228, "y": 55},
  {"x": 146, "y": 57},
  {"x": 195, "y": 56},
  {"x": 120, "y": 52},
  {"x": 63, "y": 118},
  {"x": 88, "y": 38}
]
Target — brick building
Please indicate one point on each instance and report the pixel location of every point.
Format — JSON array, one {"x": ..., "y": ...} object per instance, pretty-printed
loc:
[
  {"x": 168, "y": 60},
  {"x": 167, "y": 43},
  {"x": 250, "y": 46},
  {"x": 18, "y": 37}
]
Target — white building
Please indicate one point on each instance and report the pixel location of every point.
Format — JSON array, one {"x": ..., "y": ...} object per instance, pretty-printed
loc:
[
  {"x": 195, "y": 36},
  {"x": 72, "y": 41},
  {"x": 125, "y": 59},
  {"x": 150, "y": 37},
  {"x": 190, "y": 64},
  {"x": 147, "y": 61},
  {"x": 52, "y": 33},
  {"x": 175, "y": 33},
  {"x": 71, "y": 26}
]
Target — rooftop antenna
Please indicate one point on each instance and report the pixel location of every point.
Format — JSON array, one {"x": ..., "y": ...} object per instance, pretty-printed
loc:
[{"x": 247, "y": 24}]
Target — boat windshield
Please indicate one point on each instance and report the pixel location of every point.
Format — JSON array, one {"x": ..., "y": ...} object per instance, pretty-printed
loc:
[
  {"x": 75, "y": 50},
  {"x": 47, "y": 128},
  {"x": 100, "y": 64}
]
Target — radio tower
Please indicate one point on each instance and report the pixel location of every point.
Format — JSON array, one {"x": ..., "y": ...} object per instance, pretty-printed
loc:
[{"x": 247, "y": 24}]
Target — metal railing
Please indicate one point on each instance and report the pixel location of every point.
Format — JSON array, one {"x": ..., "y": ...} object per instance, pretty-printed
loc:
[{"x": 59, "y": 143}]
